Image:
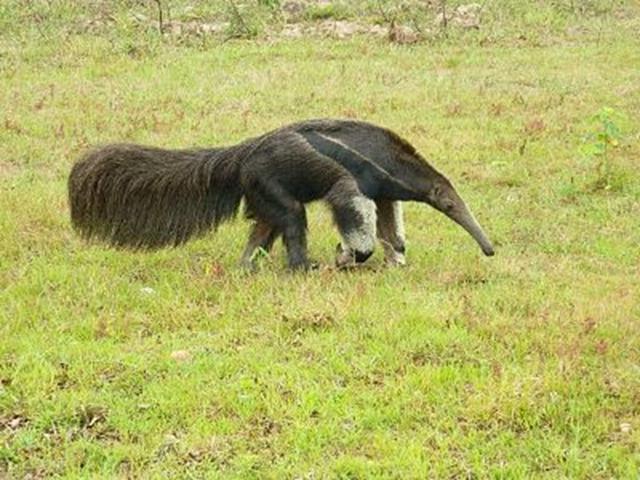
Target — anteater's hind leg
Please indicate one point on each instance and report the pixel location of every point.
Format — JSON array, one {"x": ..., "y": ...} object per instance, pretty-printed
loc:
[
  {"x": 272, "y": 205},
  {"x": 355, "y": 216},
  {"x": 262, "y": 236},
  {"x": 391, "y": 231}
]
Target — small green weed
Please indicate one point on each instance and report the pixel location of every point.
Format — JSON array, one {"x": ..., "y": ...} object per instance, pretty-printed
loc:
[{"x": 600, "y": 146}]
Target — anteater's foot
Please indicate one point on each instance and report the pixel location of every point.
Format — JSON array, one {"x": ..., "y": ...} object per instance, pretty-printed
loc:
[
  {"x": 248, "y": 266},
  {"x": 346, "y": 258},
  {"x": 395, "y": 259},
  {"x": 303, "y": 266}
]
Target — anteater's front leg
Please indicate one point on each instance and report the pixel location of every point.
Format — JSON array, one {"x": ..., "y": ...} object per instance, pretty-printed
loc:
[
  {"x": 391, "y": 231},
  {"x": 355, "y": 216}
]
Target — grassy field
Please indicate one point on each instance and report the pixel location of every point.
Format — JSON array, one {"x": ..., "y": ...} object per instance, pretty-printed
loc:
[{"x": 175, "y": 364}]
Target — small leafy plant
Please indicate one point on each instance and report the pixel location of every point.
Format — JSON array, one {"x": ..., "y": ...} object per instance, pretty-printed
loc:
[
  {"x": 241, "y": 24},
  {"x": 599, "y": 145}
]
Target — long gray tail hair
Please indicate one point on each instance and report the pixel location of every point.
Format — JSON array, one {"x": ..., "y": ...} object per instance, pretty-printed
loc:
[{"x": 144, "y": 197}]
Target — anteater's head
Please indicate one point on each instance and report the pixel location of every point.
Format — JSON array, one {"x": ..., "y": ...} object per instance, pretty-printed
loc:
[{"x": 443, "y": 197}]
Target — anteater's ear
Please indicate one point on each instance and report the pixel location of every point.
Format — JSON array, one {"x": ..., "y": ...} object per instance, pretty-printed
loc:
[{"x": 439, "y": 193}]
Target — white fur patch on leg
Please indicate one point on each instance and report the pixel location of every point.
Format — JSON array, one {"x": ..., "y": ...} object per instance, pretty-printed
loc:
[
  {"x": 398, "y": 220},
  {"x": 363, "y": 238},
  {"x": 391, "y": 232}
]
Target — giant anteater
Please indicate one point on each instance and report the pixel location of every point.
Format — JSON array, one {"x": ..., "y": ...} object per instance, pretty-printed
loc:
[{"x": 145, "y": 197}]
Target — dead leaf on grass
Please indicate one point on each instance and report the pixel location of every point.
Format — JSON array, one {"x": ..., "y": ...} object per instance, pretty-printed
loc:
[
  {"x": 589, "y": 325},
  {"x": 602, "y": 346},
  {"x": 535, "y": 127},
  {"x": 13, "y": 422},
  {"x": 181, "y": 355},
  {"x": 90, "y": 415},
  {"x": 625, "y": 427}
]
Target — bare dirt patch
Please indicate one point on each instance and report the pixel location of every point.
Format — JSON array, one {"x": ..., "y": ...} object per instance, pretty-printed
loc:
[{"x": 8, "y": 169}]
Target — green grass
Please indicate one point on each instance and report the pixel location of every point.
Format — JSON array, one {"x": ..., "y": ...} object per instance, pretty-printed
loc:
[{"x": 524, "y": 365}]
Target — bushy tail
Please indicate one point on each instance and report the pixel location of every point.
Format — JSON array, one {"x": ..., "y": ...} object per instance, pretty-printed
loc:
[{"x": 144, "y": 197}]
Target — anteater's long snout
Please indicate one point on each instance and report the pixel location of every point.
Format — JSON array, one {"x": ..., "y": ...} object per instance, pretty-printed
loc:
[{"x": 463, "y": 217}]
